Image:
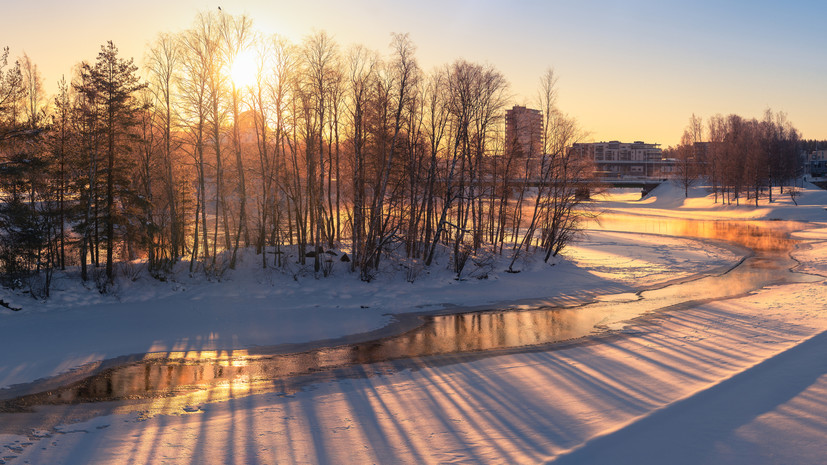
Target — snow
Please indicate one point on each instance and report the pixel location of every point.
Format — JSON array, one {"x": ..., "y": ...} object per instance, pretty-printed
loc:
[
  {"x": 668, "y": 200},
  {"x": 251, "y": 307},
  {"x": 734, "y": 381},
  {"x": 645, "y": 261}
]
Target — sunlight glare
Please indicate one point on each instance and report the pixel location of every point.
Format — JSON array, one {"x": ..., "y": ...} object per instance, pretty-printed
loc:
[{"x": 244, "y": 69}]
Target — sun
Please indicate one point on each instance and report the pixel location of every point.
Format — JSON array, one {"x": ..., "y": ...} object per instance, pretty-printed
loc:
[{"x": 244, "y": 69}]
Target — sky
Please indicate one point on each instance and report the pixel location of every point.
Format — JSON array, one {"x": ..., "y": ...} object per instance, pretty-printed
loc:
[{"x": 628, "y": 70}]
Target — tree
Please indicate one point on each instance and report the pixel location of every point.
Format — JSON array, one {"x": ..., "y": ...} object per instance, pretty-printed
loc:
[
  {"x": 283, "y": 65},
  {"x": 436, "y": 116},
  {"x": 33, "y": 85},
  {"x": 562, "y": 177},
  {"x": 193, "y": 92},
  {"x": 259, "y": 104},
  {"x": 686, "y": 162},
  {"x": 459, "y": 105},
  {"x": 27, "y": 220},
  {"x": 746, "y": 155},
  {"x": 236, "y": 34},
  {"x": 163, "y": 62},
  {"x": 716, "y": 129},
  {"x": 60, "y": 140},
  {"x": 402, "y": 76},
  {"x": 114, "y": 83},
  {"x": 215, "y": 67},
  {"x": 362, "y": 66},
  {"x": 320, "y": 53},
  {"x": 11, "y": 93}
]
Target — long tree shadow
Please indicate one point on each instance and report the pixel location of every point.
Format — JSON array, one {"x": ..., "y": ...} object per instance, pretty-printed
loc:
[{"x": 688, "y": 431}]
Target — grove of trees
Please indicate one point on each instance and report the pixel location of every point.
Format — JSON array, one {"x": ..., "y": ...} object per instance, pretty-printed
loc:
[
  {"x": 739, "y": 158},
  {"x": 323, "y": 148}
]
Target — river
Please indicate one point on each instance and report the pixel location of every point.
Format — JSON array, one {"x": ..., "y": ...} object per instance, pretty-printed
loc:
[{"x": 160, "y": 385}]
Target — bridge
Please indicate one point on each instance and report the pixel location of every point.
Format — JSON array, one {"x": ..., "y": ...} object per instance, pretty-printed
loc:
[{"x": 645, "y": 184}]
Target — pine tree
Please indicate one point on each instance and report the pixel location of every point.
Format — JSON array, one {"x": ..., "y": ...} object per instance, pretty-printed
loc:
[{"x": 114, "y": 83}]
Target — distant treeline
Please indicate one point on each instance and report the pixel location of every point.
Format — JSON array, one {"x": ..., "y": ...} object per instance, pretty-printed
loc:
[{"x": 811, "y": 145}]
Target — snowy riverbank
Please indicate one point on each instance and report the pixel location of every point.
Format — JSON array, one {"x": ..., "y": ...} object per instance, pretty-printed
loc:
[
  {"x": 686, "y": 380},
  {"x": 253, "y": 307}
]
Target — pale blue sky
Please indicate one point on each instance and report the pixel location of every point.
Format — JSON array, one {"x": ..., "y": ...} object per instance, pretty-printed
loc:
[{"x": 628, "y": 70}]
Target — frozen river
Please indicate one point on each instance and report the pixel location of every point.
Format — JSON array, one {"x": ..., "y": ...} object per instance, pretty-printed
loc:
[{"x": 217, "y": 376}]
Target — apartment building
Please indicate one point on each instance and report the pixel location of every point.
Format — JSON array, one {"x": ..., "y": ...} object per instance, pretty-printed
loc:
[
  {"x": 617, "y": 160},
  {"x": 524, "y": 131}
]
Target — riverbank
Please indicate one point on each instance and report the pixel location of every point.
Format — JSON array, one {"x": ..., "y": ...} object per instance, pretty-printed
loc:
[
  {"x": 250, "y": 307},
  {"x": 573, "y": 405}
]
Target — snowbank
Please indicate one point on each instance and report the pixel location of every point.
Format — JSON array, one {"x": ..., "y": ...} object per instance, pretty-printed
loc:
[{"x": 668, "y": 199}]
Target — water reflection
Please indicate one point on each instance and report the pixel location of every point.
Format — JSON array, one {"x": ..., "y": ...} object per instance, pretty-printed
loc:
[
  {"x": 761, "y": 236},
  {"x": 447, "y": 334},
  {"x": 155, "y": 378}
]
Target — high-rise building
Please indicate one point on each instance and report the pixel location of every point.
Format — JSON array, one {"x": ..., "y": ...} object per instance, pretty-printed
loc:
[{"x": 524, "y": 131}]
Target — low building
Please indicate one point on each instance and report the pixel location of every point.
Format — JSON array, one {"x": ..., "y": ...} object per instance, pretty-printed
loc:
[
  {"x": 617, "y": 160},
  {"x": 816, "y": 166}
]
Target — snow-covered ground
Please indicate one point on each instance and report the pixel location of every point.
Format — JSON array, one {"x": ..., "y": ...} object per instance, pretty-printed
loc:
[
  {"x": 253, "y": 307},
  {"x": 736, "y": 381}
]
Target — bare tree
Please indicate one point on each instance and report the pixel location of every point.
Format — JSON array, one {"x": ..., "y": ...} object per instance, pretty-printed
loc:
[
  {"x": 163, "y": 62},
  {"x": 283, "y": 64},
  {"x": 436, "y": 123},
  {"x": 459, "y": 94},
  {"x": 193, "y": 93},
  {"x": 403, "y": 75},
  {"x": 686, "y": 163},
  {"x": 562, "y": 177},
  {"x": 209, "y": 35},
  {"x": 712, "y": 167},
  {"x": 362, "y": 68},
  {"x": 33, "y": 90},
  {"x": 321, "y": 56},
  {"x": 236, "y": 34}
]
